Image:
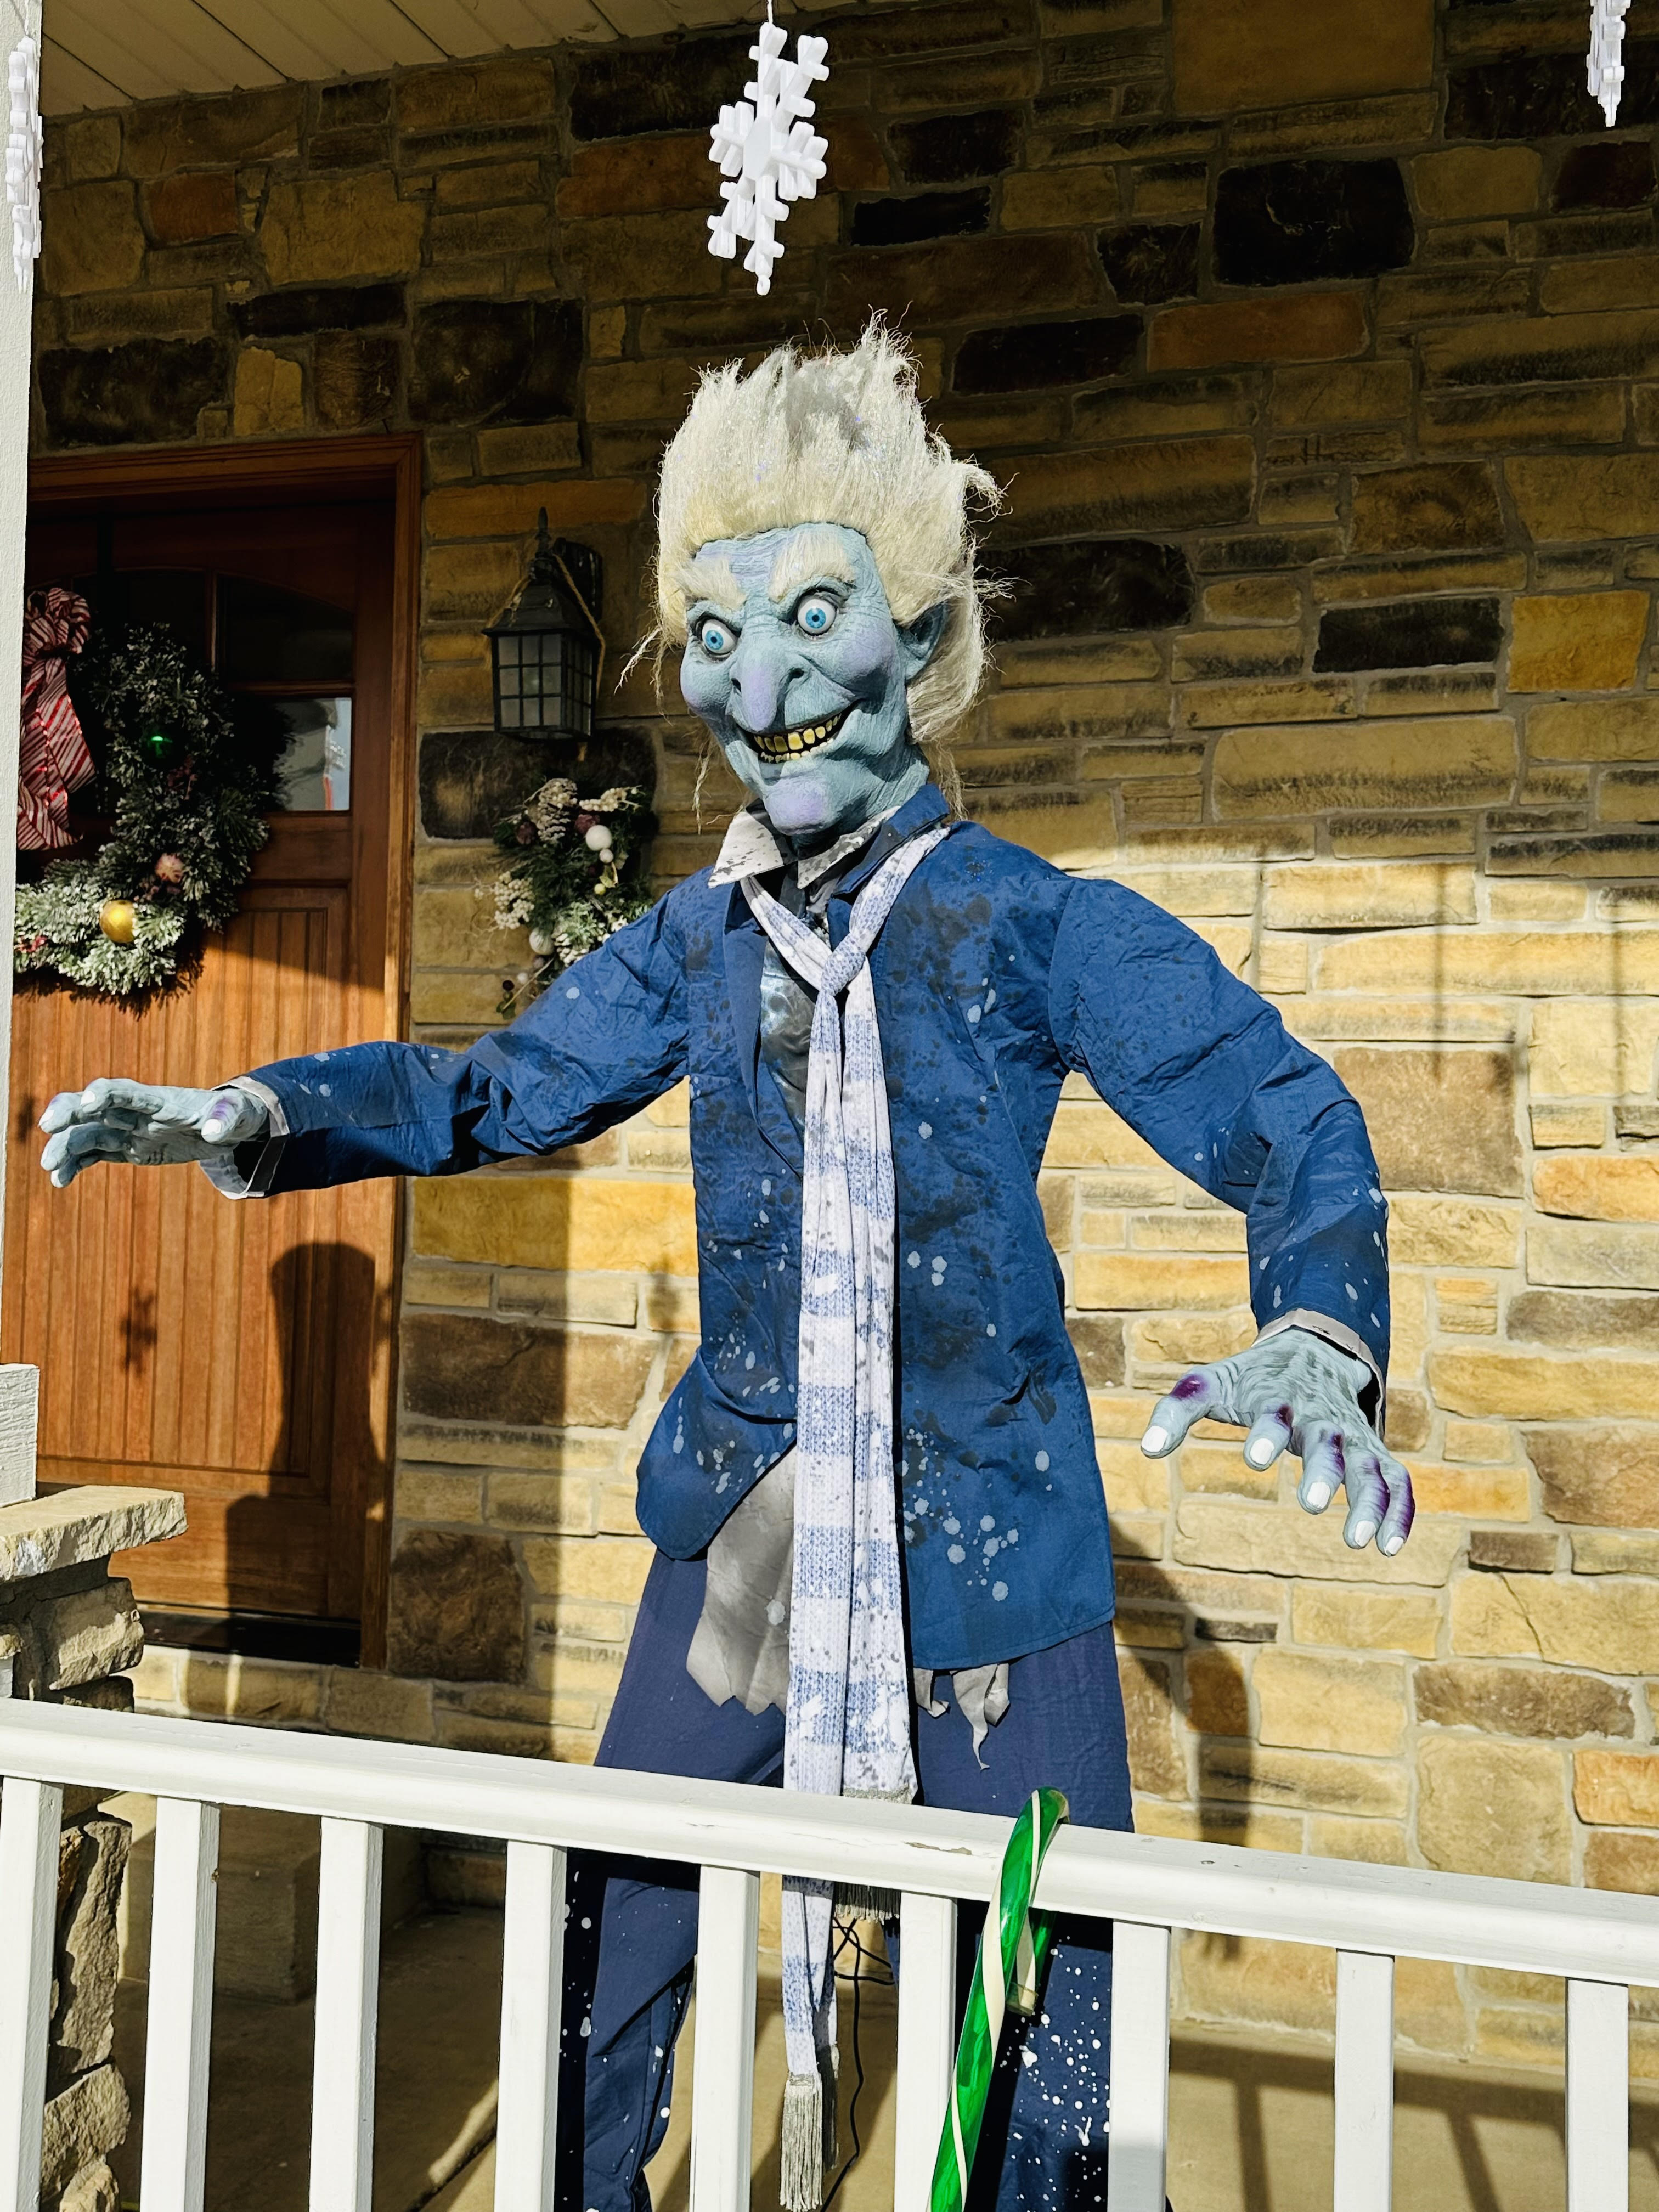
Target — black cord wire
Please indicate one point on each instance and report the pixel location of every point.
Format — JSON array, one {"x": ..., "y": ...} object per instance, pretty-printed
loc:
[{"x": 847, "y": 1938}]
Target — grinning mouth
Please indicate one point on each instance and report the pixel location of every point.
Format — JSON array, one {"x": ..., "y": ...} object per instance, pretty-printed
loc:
[{"x": 789, "y": 744}]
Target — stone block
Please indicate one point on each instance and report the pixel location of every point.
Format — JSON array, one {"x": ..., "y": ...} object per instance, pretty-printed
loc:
[
  {"x": 1610, "y": 1626},
  {"x": 82, "y": 2122},
  {"x": 1562, "y": 498},
  {"x": 1314, "y": 1703},
  {"x": 1494, "y": 1492},
  {"x": 610, "y": 1568},
  {"x": 1529, "y": 963},
  {"x": 1090, "y": 584},
  {"x": 185, "y": 207},
  {"x": 1570, "y": 1124},
  {"x": 1297, "y": 221},
  {"x": 91, "y": 147},
  {"x": 427, "y": 1493},
  {"x": 1236, "y": 56},
  {"x": 94, "y": 241},
  {"x": 39, "y": 1535},
  {"x": 1147, "y": 264},
  {"x": 148, "y": 392},
  {"x": 92, "y": 1863},
  {"x": 457, "y": 1607},
  {"x": 1296, "y": 326},
  {"x": 583, "y": 1223},
  {"x": 1360, "y": 895},
  {"x": 322, "y": 230},
  {"x": 362, "y": 1702},
  {"x": 1591, "y": 1048},
  {"x": 1598, "y": 1187},
  {"x": 1594, "y": 1257},
  {"x": 1412, "y": 634},
  {"x": 1444, "y": 506},
  {"x": 566, "y": 1295},
  {"x": 162, "y": 137},
  {"x": 495, "y": 360},
  {"x": 1156, "y": 1762},
  {"x": 1499, "y": 422},
  {"x": 1467, "y": 182},
  {"x": 1527, "y": 1701},
  {"x": 463, "y": 1367},
  {"x": 1375, "y": 1620},
  {"x": 1371, "y": 1842},
  {"x": 1271, "y": 1540},
  {"x": 510, "y": 510},
  {"x": 1493, "y": 1808},
  {"x": 269, "y": 395},
  {"x": 1601, "y": 1474},
  {"x": 79, "y": 1636},
  {"x": 355, "y": 381},
  {"x": 1469, "y": 761},
  {"x": 1627, "y": 1862},
  {"x": 1439, "y": 1120},
  {"x": 1026, "y": 356},
  {"x": 1123, "y": 1281},
  {"x": 1051, "y": 199},
  {"x": 1305, "y": 1781},
  {"x": 94, "y": 2188},
  {"x": 1617, "y": 1789},
  {"x": 1599, "y": 1553},
  {"x": 1217, "y": 1693},
  {"x": 1576, "y": 641},
  {"x": 561, "y": 1505},
  {"x": 1175, "y": 484}
]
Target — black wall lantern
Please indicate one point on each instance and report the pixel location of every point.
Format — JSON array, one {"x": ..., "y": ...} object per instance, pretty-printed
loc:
[{"x": 548, "y": 650}]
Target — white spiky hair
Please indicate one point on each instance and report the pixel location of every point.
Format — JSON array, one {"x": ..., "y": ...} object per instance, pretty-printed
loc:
[{"x": 837, "y": 437}]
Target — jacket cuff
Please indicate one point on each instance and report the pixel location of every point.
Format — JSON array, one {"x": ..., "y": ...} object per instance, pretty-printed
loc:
[
  {"x": 248, "y": 1170},
  {"x": 1373, "y": 1397}
]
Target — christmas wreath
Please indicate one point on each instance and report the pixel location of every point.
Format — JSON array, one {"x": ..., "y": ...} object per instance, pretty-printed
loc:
[
  {"x": 185, "y": 779},
  {"x": 577, "y": 875}
]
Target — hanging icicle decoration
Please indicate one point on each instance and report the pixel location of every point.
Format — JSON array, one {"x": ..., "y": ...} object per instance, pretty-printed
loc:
[
  {"x": 1605, "y": 68},
  {"x": 767, "y": 151},
  {"x": 23, "y": 150}
]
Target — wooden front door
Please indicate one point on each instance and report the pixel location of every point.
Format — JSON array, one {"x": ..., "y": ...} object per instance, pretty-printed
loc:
[{"x": 239, "y": 1353}]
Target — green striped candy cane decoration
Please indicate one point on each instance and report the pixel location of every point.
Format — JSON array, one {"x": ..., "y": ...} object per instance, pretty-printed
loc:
[{"x": 1008, "y": 1975}]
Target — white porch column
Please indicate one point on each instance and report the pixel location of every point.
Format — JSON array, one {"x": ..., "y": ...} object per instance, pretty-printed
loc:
[{"x": 16, "y": 304}]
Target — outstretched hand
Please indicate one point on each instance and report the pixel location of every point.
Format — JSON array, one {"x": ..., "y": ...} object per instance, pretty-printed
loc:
[
  {"x": 143, "y": 1125},
  {"x": 1296, "y": 1390}
]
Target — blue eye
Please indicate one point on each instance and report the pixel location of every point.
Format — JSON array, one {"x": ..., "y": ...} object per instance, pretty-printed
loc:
[
  {"x": 715, "y": 639},
  {"x": 816, "y": 613}
]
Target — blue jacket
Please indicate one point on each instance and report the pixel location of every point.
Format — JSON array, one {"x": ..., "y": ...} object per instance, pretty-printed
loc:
[{"x": 995, "y": 975}]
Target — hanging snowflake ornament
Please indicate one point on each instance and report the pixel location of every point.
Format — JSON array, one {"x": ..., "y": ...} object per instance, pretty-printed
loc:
[
  {"x": 23, "y": 150},
  {"x": 767, "y": 151},
  {"x": 1605, "y": 68}
]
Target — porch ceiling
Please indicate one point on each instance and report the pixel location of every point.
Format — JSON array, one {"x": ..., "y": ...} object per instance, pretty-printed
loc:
[{"x": 99, "y": 55}]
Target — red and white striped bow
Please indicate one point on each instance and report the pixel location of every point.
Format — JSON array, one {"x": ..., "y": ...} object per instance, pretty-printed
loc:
[{"x": 53, "y": 759}]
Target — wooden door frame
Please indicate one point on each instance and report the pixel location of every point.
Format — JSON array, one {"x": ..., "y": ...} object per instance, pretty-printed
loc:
[{"x": 294, "y": 472}]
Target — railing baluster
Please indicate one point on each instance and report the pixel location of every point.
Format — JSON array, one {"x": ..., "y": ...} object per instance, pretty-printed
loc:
[
  {"x": 1140, "y": 2068},
  {"x": 31, "y": 1814},
  {"x": 927, "y": 2034},
  {"x": 532, "y": 1978},
  {"x": 1365, "y": 2083},
  {"x": 347, "y": 1988},
  {"x": 184, "y": 1900},
  {"x": 1598, "y": 2097},
  {"x": 723, "y": 2081}
]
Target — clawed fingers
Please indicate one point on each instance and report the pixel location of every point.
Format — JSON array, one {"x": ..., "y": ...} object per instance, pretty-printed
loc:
[
  {"x": 1397, "y": 1524},
  {"x": 79, "y": 1147},
  {"x": 1368, "y": 1498},
  {"x": 1193, "y": 1397},
  {"x": 1324, "y": 1467},
  {"x": 1270, "y": 1433}
]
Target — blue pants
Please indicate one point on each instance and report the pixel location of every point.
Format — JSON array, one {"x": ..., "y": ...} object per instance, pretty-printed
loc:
[{"x": 632, "y": 1932}]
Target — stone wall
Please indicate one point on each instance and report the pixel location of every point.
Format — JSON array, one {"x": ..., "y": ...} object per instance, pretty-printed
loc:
[
  {"x": 1318, "y": 347},
  {"x": 68, "y": 1631}
]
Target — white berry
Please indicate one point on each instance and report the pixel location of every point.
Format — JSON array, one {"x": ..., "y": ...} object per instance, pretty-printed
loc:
[{"x": 598, "y": 839}]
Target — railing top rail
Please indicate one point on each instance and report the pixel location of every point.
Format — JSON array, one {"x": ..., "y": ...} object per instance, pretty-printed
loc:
[{"x": 1405, "y": 1912}]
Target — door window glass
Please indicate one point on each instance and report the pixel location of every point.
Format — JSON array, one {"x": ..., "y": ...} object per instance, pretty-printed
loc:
[
  {"x": 270, "y": 636},
  {"x": 316, "y": 770}
]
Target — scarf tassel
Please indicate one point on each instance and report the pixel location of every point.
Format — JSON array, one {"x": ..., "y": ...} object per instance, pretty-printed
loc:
[{"x": 809, "y": 2133}]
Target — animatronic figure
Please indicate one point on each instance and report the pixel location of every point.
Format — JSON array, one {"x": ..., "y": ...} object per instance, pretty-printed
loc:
[{"x": 877, "y": 1004}]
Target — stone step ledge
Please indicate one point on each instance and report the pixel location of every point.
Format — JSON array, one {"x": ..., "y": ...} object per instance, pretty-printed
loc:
[{"x": 66, "y": 1528}]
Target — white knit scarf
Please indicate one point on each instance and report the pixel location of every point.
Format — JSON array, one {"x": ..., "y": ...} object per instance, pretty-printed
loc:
[{"x": 847, "y": 1730}]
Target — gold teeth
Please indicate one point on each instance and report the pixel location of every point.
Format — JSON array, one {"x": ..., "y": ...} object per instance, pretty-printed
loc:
[{"x": 787, "y": 744}]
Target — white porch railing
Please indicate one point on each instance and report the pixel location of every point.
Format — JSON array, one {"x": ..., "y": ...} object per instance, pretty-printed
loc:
[{"x": 1370, "y": 1915}]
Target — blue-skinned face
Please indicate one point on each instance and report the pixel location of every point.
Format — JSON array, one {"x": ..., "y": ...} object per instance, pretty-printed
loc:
[{"x": 794, "y": 661}]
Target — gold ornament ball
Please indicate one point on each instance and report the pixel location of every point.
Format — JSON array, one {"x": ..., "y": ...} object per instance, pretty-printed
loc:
[{"x": 116, "y": 917}]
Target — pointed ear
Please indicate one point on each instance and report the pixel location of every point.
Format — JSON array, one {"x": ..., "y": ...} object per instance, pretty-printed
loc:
[{"x": 919, "y": 640}]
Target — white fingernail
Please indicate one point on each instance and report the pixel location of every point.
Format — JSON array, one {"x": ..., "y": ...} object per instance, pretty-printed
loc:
[
  {"x": 1155, "y": 1439},
  {"x": 1260, "y": 1452},
  {"x": 1364, "y": 1531},
  {"x": 1392, "y": 1544},
  {"x": 1319, "y": 1497}
]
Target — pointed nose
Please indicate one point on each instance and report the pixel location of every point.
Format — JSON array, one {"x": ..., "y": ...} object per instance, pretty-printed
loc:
[{"x": 763, "y": 670}]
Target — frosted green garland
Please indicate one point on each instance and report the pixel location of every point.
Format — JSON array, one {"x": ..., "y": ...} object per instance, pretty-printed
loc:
[{"x": 1013, "y": 1947}]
